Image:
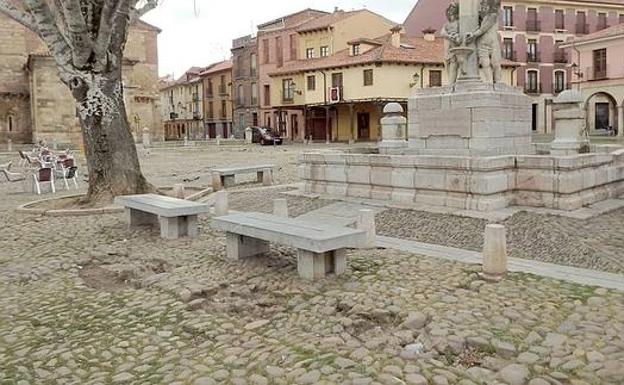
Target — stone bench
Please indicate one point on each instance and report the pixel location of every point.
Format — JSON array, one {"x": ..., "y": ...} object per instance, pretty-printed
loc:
[
  {"x": 176, "y": 217},
  {"x": 320, "y": 248},
  {"x": 226, "y": 177}
]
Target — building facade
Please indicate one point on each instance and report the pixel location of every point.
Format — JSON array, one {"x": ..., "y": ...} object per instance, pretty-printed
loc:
[
  {"x": 342, "y": 95},
  {"x": 278, "y": 45},
  {"x": 183, "y": 106},
  {"x": 600, "y": 78},
  {"x": 245, "y": 84},
  {"x": 217, "y": 85},
  {"x": 531, "y": 31},
  {"x": 36, "y": 105}
]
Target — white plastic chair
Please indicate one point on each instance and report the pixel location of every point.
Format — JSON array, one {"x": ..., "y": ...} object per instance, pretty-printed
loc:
[
  {"x": 68, "y": 171},
  {"x": 44, "y": 175}
]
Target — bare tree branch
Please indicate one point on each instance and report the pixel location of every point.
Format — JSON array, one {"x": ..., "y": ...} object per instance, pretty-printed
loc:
[
  {"x": 105, "y": 31},
  {"x": 77, "y": 32},
  {"x": 18, "y": 15},
  {"x": 149, "y": 5}
]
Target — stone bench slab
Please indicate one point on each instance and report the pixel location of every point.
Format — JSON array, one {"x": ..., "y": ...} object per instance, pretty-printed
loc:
[
  {"x": 242, "y": 170},
  {"x": 162, "y": 206}
]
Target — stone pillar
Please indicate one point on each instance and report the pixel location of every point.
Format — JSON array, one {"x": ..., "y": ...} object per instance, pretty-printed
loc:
[
  {"x": 468, "y": 23},
  {"x": 495, "y": 253},
  {"x": 280, "y": 207},
  {"x": 218, "y": 140},
  {"x": 221, "y": 204},
  {"x": 267, "y": 177},
  {"x": 569, "y": 123},
  {"x": 178, "y": 191},
  {"x": 10, "y": 145},
  {"x": 393, "y": 129},
  {"x": 248, "y": 135},
  {"x": 620, "y": 120},
  {"x": 147, "y": 142},
  {"x": 366, "y": 222}
]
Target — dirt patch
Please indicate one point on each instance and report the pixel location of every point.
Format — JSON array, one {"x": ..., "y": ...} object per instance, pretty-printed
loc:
[{"x": 99, "y": 278}]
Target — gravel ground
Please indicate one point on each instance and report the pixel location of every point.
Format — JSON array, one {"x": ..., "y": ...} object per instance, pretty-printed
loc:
[
  {"x": 87, "y": 301},
  {"x": 597, "y": 243}
]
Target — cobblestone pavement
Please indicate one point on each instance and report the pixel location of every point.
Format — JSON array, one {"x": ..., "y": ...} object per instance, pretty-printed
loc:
[
  {"x": 597, "y": 243},
  {"x": 87, "y": 301}
]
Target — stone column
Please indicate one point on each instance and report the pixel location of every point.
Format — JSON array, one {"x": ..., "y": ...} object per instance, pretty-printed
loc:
[
  {"x": 248, "y": 135},
  {"x": 495, "y": 253},
  {"x": 146, "y": 138},
  {"x": 221, "y": 204},
  {"x": 569, "y": 122},
  {"x": 393, "y": 129},
  {"x": 366, "y": 222},
  {"x": 10, "y": 145},
  {"x": 620, "y": 120}
]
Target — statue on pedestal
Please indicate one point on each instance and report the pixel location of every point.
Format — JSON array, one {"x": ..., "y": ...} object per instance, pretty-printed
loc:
[
  {"x": 487, "y": 40},
  {"x": 452, "y": 39}
]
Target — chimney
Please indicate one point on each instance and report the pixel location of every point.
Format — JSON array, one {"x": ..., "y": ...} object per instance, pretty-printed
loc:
[
  {"x": 429, "y": 34},
  {"x": 396, "y": 36}
]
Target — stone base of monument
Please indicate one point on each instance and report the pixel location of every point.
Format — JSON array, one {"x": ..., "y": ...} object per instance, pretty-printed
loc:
[
  {"x": 479, "y": 183},
  {"x": 470, "y": 118}
]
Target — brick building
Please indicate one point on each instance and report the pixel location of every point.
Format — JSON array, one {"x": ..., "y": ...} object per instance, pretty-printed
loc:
[
  {"x": 217, "y": 84},
  {"x": 245, "y": 84},
  {"x": 530, "y": 33},
  {"x": 35, "y": 105}
]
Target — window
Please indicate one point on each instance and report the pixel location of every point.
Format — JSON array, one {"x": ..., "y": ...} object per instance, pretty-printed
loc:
[
  {"x": 560, "y": 54},
  {"x": 265, "y": 51},
  {"x": 288, "y": 90},
  {"x": 223, "y": 109},
  {"x": 355, "y": 49},
  {"x": 222, "y": 89},
  {"x": 310, "y": 53},
  {"x": 253, "y": 59},
  {"x": 559, "y": 81},
  {"x": 368, "y": 77},
  {"x": 324, "y": 51},
  {"x": 254, "y": 94},
  {"x": 533, "y": 25},
  {"x": 600, "y": 63},
  {"x": 532, "y": 83},
  {"x": 621, "y": 19},
  {"x": 435, "y": 78},
  {"x": 532, "y": 55},
  {"x": 602, "y": 21},
  {"x": 239, "y": 66},
  {"x": 581, "y": 23},
  {"x": 508, "y": 17},
  {"x": 10, "y": 123},
  {"x": 337, "y": 79},
  {"x": 508, "y": 49},
  {"x": 209, "y": 88},
  {"x": 279, "y": 51},
  {"x": 559, "y": 19},
  {"x": 311, "y": 82},
  {"x": 293, "y": 47},
  {"x": 210, "y": 110},
  {"x": 267, "y": 95},
  {"x": 241, "y": 95}
]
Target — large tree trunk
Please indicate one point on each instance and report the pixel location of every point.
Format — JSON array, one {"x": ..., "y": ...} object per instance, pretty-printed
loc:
[{"x": 112, "y": 159}]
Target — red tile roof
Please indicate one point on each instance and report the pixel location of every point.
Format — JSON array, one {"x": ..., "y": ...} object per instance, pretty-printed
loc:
[
  {"x": 331, "y": 19},
  {"x": 225, "y": 65},
  {"x": 609, "y": 32}
]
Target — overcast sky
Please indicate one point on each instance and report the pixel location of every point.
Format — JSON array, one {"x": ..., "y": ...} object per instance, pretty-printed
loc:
[{"x": 199, "y": 37}]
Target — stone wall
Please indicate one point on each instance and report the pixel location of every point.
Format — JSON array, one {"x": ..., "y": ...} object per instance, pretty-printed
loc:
[{"x": 472, "y": 183}]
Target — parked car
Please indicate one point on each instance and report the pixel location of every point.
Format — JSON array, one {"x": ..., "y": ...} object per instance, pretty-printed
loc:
[{"x": 265, "y": 136}]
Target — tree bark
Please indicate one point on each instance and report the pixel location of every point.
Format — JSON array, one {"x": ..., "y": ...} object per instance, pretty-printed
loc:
[{"x": 111, "y": 154}]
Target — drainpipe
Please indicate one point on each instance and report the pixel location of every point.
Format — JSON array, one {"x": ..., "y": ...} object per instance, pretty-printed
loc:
[
  {"x": 327, "y": 128},
  {"x": 578, "y": 57},
  {"x": 422, "y": 76}
]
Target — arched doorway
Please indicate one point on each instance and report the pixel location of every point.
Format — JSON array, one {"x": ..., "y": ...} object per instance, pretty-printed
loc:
[{"x": 601, "y": 109}]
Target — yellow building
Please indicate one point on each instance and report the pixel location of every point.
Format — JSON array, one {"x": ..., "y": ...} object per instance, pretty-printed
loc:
[
  {"x": 182, "y": 102},
  {"x": 217, "y": 83},
  {"x": 342, "y": 95}
]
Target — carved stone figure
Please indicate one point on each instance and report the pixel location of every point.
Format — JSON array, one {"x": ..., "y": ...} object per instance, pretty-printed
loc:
[
  {"x": 452, "y": 39},
  {"x": 487, "y": 40}
]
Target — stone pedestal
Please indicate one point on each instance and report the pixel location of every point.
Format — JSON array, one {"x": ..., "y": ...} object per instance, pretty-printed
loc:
[
  {"x": 366, "y": 222},
  {"x": 470, "y": 118},
  {"x": 178, "y": 191},
  {"x": 248, "y": 135},
  {"x": 393, "y": 129},
  {"x": 221, "y": 203},
  {"x": 146, "y": 138},
  {"x": 495, "y": 253},
  {"x": 569, "y": 124}
]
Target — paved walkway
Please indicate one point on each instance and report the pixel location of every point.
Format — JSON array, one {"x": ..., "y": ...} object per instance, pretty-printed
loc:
[{"x": 345, "y": 214}]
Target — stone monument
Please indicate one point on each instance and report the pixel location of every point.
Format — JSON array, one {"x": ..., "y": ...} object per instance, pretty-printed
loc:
[
  {"x": 393, "y": 129},
  {"x": 475, "y": 114},
  {"x": 570, "y": 134}
]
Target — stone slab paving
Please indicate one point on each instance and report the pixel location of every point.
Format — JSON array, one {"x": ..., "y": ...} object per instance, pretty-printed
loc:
[{"x": 340, "y": 213}]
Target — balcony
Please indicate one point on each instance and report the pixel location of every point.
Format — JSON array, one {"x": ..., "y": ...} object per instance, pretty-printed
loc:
[
  {"x": 532, "y": 89},
  {"x": 173, "y": 116},
  {"x": 196, "y": 115},
  {"x": 561, "y": 57},
  {"x": 533, "y": 26},
  {"x": 509, "y": 55},
  {"x": 223, "y": 90},
  {"x": 533, "y": 57},
  {"x": 557, "y": 90},
  {"x": 582, "y": 28},
  {"x": 240, "y": 102},
  {"x": 592, "y": 73}
]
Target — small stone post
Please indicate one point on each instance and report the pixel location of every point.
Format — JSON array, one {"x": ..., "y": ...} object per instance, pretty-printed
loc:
[
  {"x": 10, "y": 145},
  {"x": 146, "y": 138},
  {"x": 366, "y": 222},
  {"x": 393, "y": 129},
  {"x": 217, "y": 183},
  {"x": 218, "y": 140},
  {"x": 569, "y": 124},
  {"x": 280, "y": 207},
  {"x": 267, "y": 177},
  {"x": 248, "y": 135},
  {"x": 221, "y": 204},
  {"x": 186, "y": 141},
  {"x": 178, "y": 191},
  {"x": 495, "y": 253}
]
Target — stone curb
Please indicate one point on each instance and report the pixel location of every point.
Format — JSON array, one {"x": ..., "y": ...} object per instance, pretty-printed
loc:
[{"x": 24, "y": 209}]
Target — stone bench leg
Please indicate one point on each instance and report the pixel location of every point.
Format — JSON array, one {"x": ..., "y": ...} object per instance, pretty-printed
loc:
[
  {"x": 177, "y": 227},
  {"x": 217, "y": 184},
  {"x": 140, "y": 218},
  {"x": 314, "y": 266},
  {"x": 239, "y": 246},
  {"x": 228, "y": 180}
]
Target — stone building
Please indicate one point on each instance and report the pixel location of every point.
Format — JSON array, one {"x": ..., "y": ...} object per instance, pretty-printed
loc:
[
  {"x": 217, "y": 85},
  {"x": 182, "y": 101},
  {"x": 342, "y": 95},
  {"x": 35, "y": 105},
  {"x": 278, "y": 45},
  {"x": 530, "y": 31},
  {"x": 598, "y": 76},
  {"x": 245, "y": 84}
]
